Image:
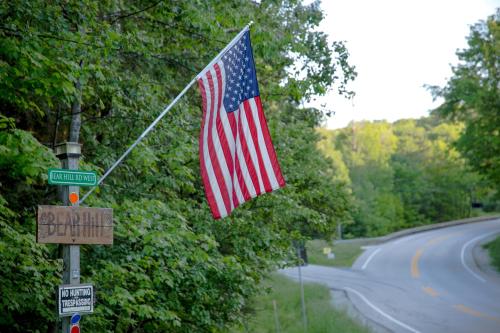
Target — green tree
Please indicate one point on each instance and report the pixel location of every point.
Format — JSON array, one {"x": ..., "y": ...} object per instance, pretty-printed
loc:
[
  {"x": 403, "y": 174},
  {"x": 431, "y": 176},
  {"x": 113, "y": 65},
  {"x": 327, "y": 146},
  {"x": 29, "y": 273},
  {"x": 472, "y": 96},
  {"x": 367, "y": 148}
]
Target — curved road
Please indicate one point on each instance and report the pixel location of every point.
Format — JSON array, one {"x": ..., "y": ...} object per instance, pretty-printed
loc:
[{"x": 426, "y": 282}]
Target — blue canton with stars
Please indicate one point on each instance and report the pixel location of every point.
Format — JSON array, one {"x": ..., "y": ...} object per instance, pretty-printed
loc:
[{"x": 241, "y": 80}]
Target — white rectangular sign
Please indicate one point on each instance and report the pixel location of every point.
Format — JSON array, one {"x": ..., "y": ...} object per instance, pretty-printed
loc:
[{"x": 75, "y": 298}]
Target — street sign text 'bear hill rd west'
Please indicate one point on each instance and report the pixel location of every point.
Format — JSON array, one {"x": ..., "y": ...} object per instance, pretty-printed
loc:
[{"x": 72, "y": 177}]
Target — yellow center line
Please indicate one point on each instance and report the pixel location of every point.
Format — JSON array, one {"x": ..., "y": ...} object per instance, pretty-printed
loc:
[
  {"x": 472, "y": 312},
  {"x": 430, "y": 291},
  {"x": 415, "y": 272}
]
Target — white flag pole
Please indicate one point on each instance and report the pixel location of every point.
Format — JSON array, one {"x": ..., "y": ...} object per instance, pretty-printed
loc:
[
  {"x": 165, "y": 111},
  {"x": 228, "y": 46}
]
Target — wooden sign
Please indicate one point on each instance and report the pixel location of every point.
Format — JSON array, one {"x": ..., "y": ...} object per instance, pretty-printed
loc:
[{"x": 74, "y": 225}]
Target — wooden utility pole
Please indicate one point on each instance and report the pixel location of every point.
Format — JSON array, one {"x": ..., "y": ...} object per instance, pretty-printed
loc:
[{"x": 69, "y": 155}]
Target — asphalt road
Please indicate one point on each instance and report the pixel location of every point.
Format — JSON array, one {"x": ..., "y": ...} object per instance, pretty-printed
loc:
[{"x": 426, "y": 282}]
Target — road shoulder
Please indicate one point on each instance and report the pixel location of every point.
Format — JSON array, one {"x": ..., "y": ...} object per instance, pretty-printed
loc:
[
  {"x": 342, "y": 302},
  {"x": 483, "y": 260}
]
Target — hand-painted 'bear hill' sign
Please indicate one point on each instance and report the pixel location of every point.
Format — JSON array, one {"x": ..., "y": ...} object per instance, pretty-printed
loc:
[{"x": 74, "y": 225}]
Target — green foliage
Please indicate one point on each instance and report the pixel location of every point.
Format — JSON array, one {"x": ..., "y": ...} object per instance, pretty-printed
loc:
[
  {"x": 341, "y": 173},
  {"x": 171, "y": 267},
  {"x": 472, "y": 96},
  {"x": 160, "y": 275},
  {"x": 404, "y": 174},
  {"x": 493, "y": 248},
  {"x": 321, "y": 316},
  {"x": 319, "y": 201},
  {"x": 29, "y": 274},
  {"x": 366, "y": 149}
]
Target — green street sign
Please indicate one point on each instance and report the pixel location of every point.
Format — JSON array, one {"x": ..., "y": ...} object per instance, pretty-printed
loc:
[{"x": 72, "y": 177}]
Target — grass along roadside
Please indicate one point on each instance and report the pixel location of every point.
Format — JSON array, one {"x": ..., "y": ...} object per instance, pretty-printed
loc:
[
  {"x": 493, "y": 248},
  {"x": 321, "y": 316},
  {"x": 483, "y": 213},
  {"x": 345, "y": 253}
]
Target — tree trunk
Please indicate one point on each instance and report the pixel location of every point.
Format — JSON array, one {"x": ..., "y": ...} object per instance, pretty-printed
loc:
[{"x": 76, "y": 111}]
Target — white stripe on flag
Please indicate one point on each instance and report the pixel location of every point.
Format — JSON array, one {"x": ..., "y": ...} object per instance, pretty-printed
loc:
[
  {"x": 216, "y": 140},
  {"x": 206, "y": 155},
  {"x": 251, "y": 147},
  {"x": 262, "y": 145},
  {"x": 237, "y": 159},
  {"x": 231, "y": 144},
  {"x": 241, "y": 157}
]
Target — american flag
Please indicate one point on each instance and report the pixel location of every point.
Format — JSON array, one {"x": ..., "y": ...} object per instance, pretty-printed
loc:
[{"x": 237, "y": 157}]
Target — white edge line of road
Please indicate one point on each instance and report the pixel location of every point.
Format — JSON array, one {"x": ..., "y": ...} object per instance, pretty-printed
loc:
[
  {"x": 394, "y": 320},
  {"x": 374, "y": 253},
  {"x": 462, "y": 254}
]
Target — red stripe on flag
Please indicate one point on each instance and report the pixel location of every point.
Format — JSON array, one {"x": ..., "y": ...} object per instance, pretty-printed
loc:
[
  {"x": 241, "y": 181},
  {"x": 269, "y": 144},
  {"x": 232, "y": 123},
  {"x": 208, "y": 189},
  {"x": 253, "y": 131},
  {"x": 211, "y": 148},
  {"x": 237, "y": 166},
  {"x": 247, "y": 154},
  {"x": 222, "y": 134},
  {"x": 237, "y": 159}
]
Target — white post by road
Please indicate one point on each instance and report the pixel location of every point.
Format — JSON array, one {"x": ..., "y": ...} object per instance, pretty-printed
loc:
[{"x": 304, "y": 315}]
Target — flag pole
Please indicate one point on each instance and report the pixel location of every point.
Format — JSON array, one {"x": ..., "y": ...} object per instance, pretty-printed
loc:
[
  {"x": 164, "y": 112},
  {"x": 228, "y": 46}
]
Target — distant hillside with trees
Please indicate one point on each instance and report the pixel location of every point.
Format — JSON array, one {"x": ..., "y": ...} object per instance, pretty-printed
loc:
[
  {"x": 438, "y": 168},
  {"x": 404, "y": 174}
]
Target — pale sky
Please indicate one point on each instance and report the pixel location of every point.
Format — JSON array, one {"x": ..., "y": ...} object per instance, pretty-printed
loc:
[{"x": 397, "y": 46}]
